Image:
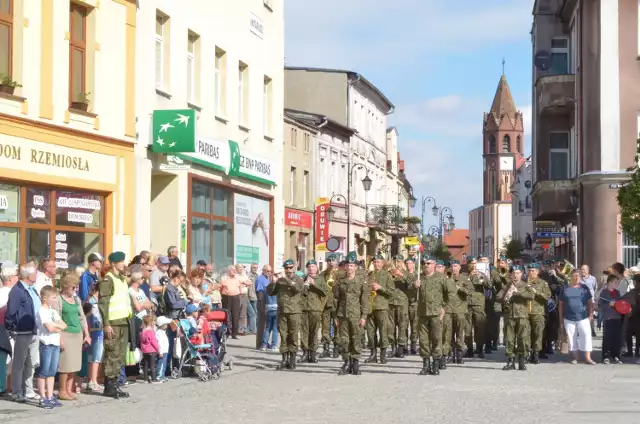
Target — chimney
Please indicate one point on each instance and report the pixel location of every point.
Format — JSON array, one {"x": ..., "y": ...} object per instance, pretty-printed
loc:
[{"x": 401, "y": 166}]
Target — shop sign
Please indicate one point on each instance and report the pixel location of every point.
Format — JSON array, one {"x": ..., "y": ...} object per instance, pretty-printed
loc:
[
  {"x": 174, "y": 131},
  {"x": 256, "y": 26},
  {"x": 174, "y": 163},
  {"x": 80, "y": 209},
  {"x": 61, "y": 251},
  {"x": 210, "y": 153},
  {"x": 250, "y": 166},
  {"x": 322, "y": 224},
  {"x": 4, "y": 203},
  {"x": 48, "y": 159},
  {"x": 297, "y": 218}
]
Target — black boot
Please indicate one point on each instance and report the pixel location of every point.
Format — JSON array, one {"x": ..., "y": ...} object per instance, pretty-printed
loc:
[
  {"x": 487, "y": 348},
  {"x": 284, "y": 362},
  {"x": 406, "y": 351},
  {"x": 313, "y": 358},
  {"x": 443, "y": 363},
  {"x": 345, "y": 368},
  {"x": 480, "y": 352},
  {"x": 414, "y": 348},
  {"x": 511, "y": 365},
  {"x": 383, "y": 356},
  {"x": 435, "y": 366},
  {"x": 373, "y": 357},
  {"x": 325, "y": 350},
  {"x": 292, "y": 361},
  {"x": 400, "y": 351},
  {"x": 459, "y": 359},
  {"x": 355, "y": 367},
  {"x": 336, "y": 350},
  {"x": 534, "y": 358},
  {"x": 121, "y": 393},
  {"x": 425, "y": 367},
  {"x": 305, "y": 356},
  {"x": 469, "y": 353},
  {"x": 521, "y": 363},
  {"x": 110, "y": 389}
]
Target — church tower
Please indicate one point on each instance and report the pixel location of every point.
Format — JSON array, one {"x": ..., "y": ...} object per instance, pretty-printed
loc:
[{"x": 503, "y": 145}]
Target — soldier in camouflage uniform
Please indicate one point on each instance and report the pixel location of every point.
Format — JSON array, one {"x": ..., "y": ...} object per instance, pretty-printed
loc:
[
  {"x": 476, "y": 317},
  {"x": 499, "y": 278},
  {"x": 381, "y": 284},
  {"x": 412, "y": 296},
  {"x": 352, "y": 307},
  {"x": 314, "y": 294},
  {"x": 432, "y": 292},
  {"x": 515, "y": 297},
  {"x": 440, "y": 267},
  {"x": 447, "y": 320},
  {"x": 288, "y": 290},
  {"x": 402, "y": 278},
  {"x": 459, "y": 309},
  {"x": 328, "y": 313},
  {"x": 537, "y": 308}
]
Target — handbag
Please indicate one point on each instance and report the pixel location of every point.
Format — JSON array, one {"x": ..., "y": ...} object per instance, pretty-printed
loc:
[{"x": 177, "y": 348}]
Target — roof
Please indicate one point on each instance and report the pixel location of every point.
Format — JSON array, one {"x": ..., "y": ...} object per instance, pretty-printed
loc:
[
  {"x": 458, "y": 237},
  {"x": 503, "y": 103},
  {"x": 316, "y": 120},
  {"x": 352, "y": 75}
]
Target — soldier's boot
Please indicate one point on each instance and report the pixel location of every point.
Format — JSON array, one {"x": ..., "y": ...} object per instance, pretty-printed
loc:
[
  {"x": 435, "y": 366},
  {"x": 521, "y": 363},
  {"x": 400, "y": 351},
  {"x": 313, "y": 357},
  {"x": 284, "y": 362},
  {"x": 355, "y": 367},
  {"x": 469, "y": 353},
  {"x": 345, "y": 368},
  {"x": 425, "y": 367},
  {"x": 406, "y": 351},
  {"x": 534, "y": 358},
  {"x": 414, "y": 348},
  {"x": 373, "y": 357},
  {"x": 121, "y": 393},
  {"x": 480, "y": 352},
  {"x": 325, "y": 350},
  {"x": 304, "y": 357},
  {"x": 443, "y": 363},
  {"x": 292, "y": 361},
  {"x": 110, "y": 389},
  {"x": 450, "y": 358},
  {"x": 511, "y": 365},
  {"x": 487, "y": 348},
  {"x": 459, "y": 360},
  {"x": 336, "y": 350},
  {"x": 383, "y": 356}
]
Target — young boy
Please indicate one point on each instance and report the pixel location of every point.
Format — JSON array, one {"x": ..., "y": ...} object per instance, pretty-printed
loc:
[
  {"x": 612, "y": 325},
  {"x": 50, "y": 325},
  {"x": 94, "y": 321}
]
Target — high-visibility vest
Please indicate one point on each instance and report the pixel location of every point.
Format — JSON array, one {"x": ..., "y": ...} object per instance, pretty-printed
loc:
[{"x": 120, "y": 302}]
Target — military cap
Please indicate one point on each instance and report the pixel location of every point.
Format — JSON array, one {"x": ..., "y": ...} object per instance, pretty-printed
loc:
[
  {"x": 471, "y": 259},
  {"x": 548, "y": 262},
  {"x": 312, "y": 262},
  {"x": 515, "y": 268},
  {"x": 398, "y": 258},
  {"x": 288, "y": 262},
  {"x": 481, "y": 255},
  {"x": 429, "y": 258},
  {"x": 533, "y": 265},
  {"x": 331, "y": 257},
  {"x": 409, "y": 259},
  {"x": 378, "y": 256},
  {"x": 116, "y": 257},
  {"x": 352, "y": 258},
  {"x": 454, "y": 262},
  {"x": 439, "y": 262},
  {"x": 503, "y": 258}
]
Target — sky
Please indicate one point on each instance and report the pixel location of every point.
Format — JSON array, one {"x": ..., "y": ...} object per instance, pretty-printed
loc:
[{"x": 439, "y": 62}]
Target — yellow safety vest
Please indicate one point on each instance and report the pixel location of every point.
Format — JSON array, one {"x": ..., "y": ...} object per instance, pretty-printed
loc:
[{"x": 120, "y": 302}]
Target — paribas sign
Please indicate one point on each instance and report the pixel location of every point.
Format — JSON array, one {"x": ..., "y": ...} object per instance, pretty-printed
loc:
[{"x": 255, "y": 165}]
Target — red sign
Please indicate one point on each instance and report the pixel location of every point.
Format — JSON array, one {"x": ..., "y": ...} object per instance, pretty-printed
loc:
[
  {"x": 297, "y": 218},
  {"x": 322, "y": 224}
]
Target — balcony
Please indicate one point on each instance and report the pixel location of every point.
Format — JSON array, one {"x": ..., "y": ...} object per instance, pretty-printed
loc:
[
  {"x": 553, "y": 200},
  {"x": 555, "y": 94},
  {"x": 389, "y": 219}
]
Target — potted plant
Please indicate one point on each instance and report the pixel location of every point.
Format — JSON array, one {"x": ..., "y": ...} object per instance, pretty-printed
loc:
[
  {"x": 82, "y": 103},
  {"x": 8, "y": 85},
  {"x": 412, "y": 220}
]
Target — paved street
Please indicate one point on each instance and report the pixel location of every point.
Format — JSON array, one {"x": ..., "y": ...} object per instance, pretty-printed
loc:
[{"x": 477, "y": 392}]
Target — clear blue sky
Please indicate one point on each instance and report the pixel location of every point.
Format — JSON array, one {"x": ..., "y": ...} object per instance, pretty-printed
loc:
[{"x": 439, "y": 63}]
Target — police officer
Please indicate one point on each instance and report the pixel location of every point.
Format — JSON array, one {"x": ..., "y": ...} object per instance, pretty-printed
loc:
[
  {"x": 382, "y": 291},
  {"x": 115, "y": 308},
  {"x": 288, "y": 290},
  {"x": 352, "y": 307},
  {"x": 314, "y": 293},
  {"x": 537, "y": 306}
]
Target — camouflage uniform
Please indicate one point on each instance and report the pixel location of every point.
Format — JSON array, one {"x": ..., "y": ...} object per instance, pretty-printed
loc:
[
  {"x": 459, "y": 308},
  {"x": 378, "y": 318},
  {"x": 515, "y": 311},
  {"x": 289, "y": 293},
  {"x": 432, "y": 295},
  {"x": 537, "y": 307},
  {"x": 314, "y": 298}
]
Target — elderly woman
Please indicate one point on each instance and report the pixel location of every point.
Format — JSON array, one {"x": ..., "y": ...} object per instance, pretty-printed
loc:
[
  {"x": 231, "y": 290},
  {"x": 576, "y": 312},
  {"x": 142, "y": 306},
  {"x": 73, "y": 337},
  {"x": 8, "y": 278}
]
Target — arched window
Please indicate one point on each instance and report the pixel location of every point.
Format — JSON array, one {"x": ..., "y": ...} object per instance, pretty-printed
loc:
[
  {"x": 518, "y": 144},
  {"x": 506, "y": 143},
  {"x": 492, "y": 144}
]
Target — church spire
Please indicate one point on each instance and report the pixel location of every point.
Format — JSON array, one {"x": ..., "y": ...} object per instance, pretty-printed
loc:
[{"x": 503, "y": 103}]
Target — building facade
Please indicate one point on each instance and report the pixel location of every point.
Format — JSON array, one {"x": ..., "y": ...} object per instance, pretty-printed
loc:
[
  {"x": 350, "y": 100},
  {"x": 299, "y": 142},
  {"x": 210, "y": 130},
  {"x": 521, "y": 223},
  {"x": 586, "y": 123},
  {"x": 67, "y": 129}
]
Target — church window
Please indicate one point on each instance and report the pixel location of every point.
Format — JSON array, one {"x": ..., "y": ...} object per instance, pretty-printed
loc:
[
  {"x": 506, "y": 143},
  {"x": 518, "y": 144},
  {"x": 492, "y": 144}
]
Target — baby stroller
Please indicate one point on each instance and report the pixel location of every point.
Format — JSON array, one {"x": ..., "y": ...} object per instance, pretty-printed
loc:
[
  {"x": 200, "y": 358},
  {"x": 218, "y": 320}
]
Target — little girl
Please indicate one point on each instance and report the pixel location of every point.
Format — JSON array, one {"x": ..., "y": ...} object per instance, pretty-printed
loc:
[
  {"x": 163, "y": 342},
  {"x": 50, "y": 325},
  {"x": 150, "y": 348}
]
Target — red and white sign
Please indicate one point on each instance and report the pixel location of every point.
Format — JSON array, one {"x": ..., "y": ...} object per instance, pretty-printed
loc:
[
  {"x": 298, "y": 218},
  {"x": 322, "y": 224}
]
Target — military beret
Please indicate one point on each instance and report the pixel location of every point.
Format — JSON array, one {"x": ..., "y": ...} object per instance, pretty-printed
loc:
[
  {"x": 331, "y": 257},
  {"x": 312, "y": 262},
  {"x": 116, "y": 257},
  {"x": 471, "y": 259},
  {"x": 454, "y": 262},
  {"x": 288, "y": 262},
  {"x": 533, "y": 265},
  {"x": 398, "y": 258},
  {"x": 503, "y": 258},
  {"x": 515, "y": 268},
  {"x": 410, "y": 259},
  {"x": 352, "y": 258},
  {"x": 429, "y": 258},
  {"x": 439, "y": 262},
  {"x": 378, "y": 256},
  {"x": 481, "y": 255}
]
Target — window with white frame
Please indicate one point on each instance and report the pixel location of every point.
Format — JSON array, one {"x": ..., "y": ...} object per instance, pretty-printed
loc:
[
  {"x": 292, "y": 186},
  {"x": 243, "y": 88},
  {"x": 559, "y": 155},
  {"x": 160, "y": 30},
  {"x": 266, "y": 105},
  {"x": 559, "y": 56},
  {"x": 217, "y": 82},
  {"x": 630, "y": 252},
  {"x": 305, "y": 188},
  {"x": 191, "y": 68}
]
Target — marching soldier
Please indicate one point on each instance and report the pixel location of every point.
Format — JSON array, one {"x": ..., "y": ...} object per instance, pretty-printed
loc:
[
  {"x": 447, "y": 320},
  {"x": 515, "y": 297},
  {"x": 459, "y": 308},
  {"x": 537, "y": 306},
  {"x": 499, "y": 277},
  {"x": 328, "y": 313},
  {"x": 402, "y": 278},
  {"x": 352, "y": 306},
  {"x": 380, "y": 282},
  {"x": 432, "y": 290},
  {"x": 412, "y": 297},
  {"x": 476, "y": 318},
  {"x": 314, "y": 294},
  {"x": 288, "y": 290},
  {"x": 440, "y": 267}
]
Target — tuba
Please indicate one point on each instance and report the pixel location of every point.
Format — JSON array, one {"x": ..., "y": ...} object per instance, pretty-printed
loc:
[
  {"x": 567, "y": 269},
  {"x": 372, "y": 296}
]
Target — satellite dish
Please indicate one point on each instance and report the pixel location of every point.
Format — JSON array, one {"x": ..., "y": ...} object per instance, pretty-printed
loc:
[
  {"x": 333, "y": 244},
  {"x": 542, "y": 60}
]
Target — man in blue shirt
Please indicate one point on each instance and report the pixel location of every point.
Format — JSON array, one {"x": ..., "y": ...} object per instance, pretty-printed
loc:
[
  {"x": 261, "y": 283},
  {"x": 90, "y": 277}
]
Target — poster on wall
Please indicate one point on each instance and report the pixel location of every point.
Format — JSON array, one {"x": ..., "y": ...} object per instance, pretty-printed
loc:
[{"x": 251, "y": 230}]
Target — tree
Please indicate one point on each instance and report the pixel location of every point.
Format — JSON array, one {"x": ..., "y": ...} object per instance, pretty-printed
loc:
[
  {"x": 629, "y": 201},
  {"x": 513, "y": 249},
  {"x": 442, "y": 252}
]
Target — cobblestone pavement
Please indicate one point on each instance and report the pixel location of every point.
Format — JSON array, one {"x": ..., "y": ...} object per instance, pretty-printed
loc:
[{"x": 476, "y": 392}]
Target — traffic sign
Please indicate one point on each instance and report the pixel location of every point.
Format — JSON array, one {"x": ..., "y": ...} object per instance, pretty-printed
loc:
[
  {"x": 550, "y": 235},
  {"x": 333, "y": 244}
]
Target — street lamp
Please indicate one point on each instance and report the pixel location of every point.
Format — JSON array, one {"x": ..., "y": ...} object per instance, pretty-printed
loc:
[
  {"x": 434, "y": 209},
  {"x": 412, "y": 201},
  {"x": 366, "y": 184},
  {"x": 445, "y": 213},
  {"x": 331, "y": 213}
]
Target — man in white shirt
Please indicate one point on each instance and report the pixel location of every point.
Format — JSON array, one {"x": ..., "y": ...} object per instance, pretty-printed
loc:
[{"x": 46, "y": 274}]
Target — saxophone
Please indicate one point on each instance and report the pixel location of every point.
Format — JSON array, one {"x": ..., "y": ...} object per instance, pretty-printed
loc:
[
  {"x": 372, "y": 296},
  {"x": 330, "y": 282}
]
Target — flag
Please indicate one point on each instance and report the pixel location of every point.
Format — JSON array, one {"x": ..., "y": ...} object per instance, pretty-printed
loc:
[{"x": 174, "y": 131}]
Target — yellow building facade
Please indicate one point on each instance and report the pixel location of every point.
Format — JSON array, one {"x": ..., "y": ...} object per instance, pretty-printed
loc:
[{"x": 67, "y": 129}]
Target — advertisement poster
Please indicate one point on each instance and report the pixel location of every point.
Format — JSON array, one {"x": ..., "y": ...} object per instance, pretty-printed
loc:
[
  {"x": 251, "y": 230},
  {"x": 322, "y": 224}
]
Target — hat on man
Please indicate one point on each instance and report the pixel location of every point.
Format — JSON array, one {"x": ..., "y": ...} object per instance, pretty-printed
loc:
[
  {"x": 439, "y": 262},
  {"x": 398, "y": 258},
  {"x": 454, "y": 262},
  {"x": 163, "y": 321},
  {"x": 312, "y": 262},
  {"x": 95, "y": 257},
  {"x": 164, "y": 260},
  {"x": 410, "y": 259},
  {"x": 503, "y": 258},
  {"x": 201, "y": 263},
  {"x": 116, "y": 257},
  {"x": 288, "y": 262},
  {"x": 379, "y": 256},
  {"x": 352, "y": 258},
  {"x": 428, "y": 258},
  {"x": 516, "y": 268},
  {"x": 471, "y": 259},
  {"x": 331, "y": 257},
  {"x": 533, "y": 265}
]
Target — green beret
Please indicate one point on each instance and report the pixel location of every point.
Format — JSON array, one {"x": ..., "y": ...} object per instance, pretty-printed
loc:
[
  {"x": 439, "y": 262},
  {"x": 312, "y": 262},
  {"x": 516, "y": 268},
  {"x": 428, "y": 258},
  {"x": 454, "y": 262},
  {"x": 331, "y": 257},
  {"x": 481, "y": 255},
  {"x": 503, "y": 258},
  {"x": 471, "y": 259},
  {"x": 409, "y": 259},
  {"x": 378, "y": 256},
  {"x": 399, "y": 258},
  {"x": 533, "y": 265},
  {"x": 288, "y": 262},
  {"x": 116, "y": 257},
  {"x": 352, "y": 258}
]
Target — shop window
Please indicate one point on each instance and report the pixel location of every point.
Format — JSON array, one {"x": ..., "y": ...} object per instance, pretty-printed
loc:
[
  {"x": 9, "y": 203},
  {"x": 201, "y": 198},
  {"x": 222, "y": 202},
  {"x": 38, "y": 206},
  {"x": 201, "y": 241},
  {"x": 72, "y": 248},
  {"x": 9, "y": 244},
  {"x": 38, "y": 244},
  {"x": 78, "y": 210},
  {"x": 222, "y": 244}
]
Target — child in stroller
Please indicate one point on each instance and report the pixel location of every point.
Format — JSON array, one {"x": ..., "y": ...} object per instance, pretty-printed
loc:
[
  {"x": 199, "y": 355},
  {"x": 218, "y": 322}
]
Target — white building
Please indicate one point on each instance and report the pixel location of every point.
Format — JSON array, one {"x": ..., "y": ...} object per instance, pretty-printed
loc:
[
  {"x": 220, "y": 201},
  {"x": 521, "y": 223},
  {"x": 489, "y": 229}
]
